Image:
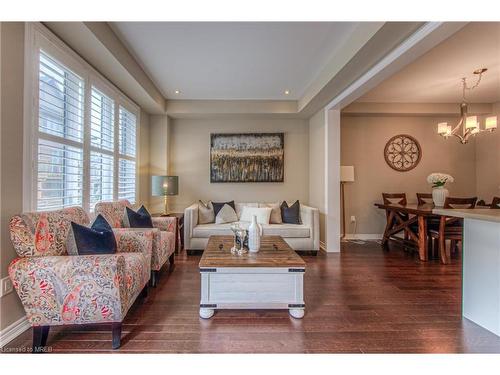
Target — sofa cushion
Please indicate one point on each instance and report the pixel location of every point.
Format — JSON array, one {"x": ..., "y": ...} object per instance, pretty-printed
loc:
[
  {"x": 139, "y": 219},
  {"x": 240, "y": 206},
  {"x": 218, "y": 206},
  {"x": 262, "y": 214},
  {"x": 206, "y": 212},
  {"x": 291, "y": 214},
  {"x": 275, "y": 213},
  {"x": 226, "y": 215},
  {"x": 98, "y": 239},
  {"x": 283, "y": 230}
]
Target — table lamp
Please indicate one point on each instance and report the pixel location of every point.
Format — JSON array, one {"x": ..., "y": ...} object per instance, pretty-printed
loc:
[
  {"x": 164, "y": 186},
  {"x": 346, "y": 175}
]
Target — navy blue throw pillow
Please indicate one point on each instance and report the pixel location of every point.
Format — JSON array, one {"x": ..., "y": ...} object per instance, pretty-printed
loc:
[
  {"x": 98, "y": 239},
  {"x": 290, "y": 215},
  {"x": 218, "y": 206},
  {"x": 139, "y": 219}
]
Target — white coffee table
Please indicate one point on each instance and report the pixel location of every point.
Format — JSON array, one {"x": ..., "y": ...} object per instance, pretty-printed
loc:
[{"x": 272, "y": 278}]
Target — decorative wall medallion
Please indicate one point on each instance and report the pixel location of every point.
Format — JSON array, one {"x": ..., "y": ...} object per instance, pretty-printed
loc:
[{"x": 402, "y": 153}]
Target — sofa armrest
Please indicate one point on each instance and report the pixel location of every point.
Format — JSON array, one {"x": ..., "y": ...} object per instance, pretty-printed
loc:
[
  {"x": 165, "y": 223},
  {"x": 190, "y": 221},
  {"x": 135, "y": 240},
  {"x": 79, "y": 289},
  {"x": 310, "y": 217}
]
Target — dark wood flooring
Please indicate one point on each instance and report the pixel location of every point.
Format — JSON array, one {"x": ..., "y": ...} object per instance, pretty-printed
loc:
[{"x": 363, "y": 300}]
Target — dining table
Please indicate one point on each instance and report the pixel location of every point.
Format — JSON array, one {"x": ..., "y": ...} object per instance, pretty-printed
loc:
[{"x": 407, "y": 218}]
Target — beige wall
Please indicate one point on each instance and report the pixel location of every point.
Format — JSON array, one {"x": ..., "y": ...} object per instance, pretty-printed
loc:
[
  {"x": 189, "y": 159},
  {"x": 12, "y": 81},
  {"x": 362, "y": 144},
  {"x": 159, "y": 140},
  {"x": 317, "y": 136},
  {"x": 488, "y": 162}
]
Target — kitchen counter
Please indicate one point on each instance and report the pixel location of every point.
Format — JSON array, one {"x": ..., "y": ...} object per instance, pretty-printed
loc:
[{"x": 480, "y": 264}]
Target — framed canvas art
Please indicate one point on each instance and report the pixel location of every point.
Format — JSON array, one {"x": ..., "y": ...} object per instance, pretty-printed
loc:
[{"x": 247, "y": 157}]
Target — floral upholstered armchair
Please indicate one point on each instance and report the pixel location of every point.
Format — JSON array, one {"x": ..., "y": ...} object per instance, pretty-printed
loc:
[
  {"x": 57, "y": 289},
  {"x": 164, "y": 236}
]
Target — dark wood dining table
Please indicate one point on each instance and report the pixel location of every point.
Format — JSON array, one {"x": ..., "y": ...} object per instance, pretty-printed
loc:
[{"x": 402, "y": 218}]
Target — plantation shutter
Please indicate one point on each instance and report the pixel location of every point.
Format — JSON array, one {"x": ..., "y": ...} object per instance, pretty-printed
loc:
[
  {"x": 60, "y": 135},
  {"x": 127, "y": 129},
  {"x": 102, "y": 146}
]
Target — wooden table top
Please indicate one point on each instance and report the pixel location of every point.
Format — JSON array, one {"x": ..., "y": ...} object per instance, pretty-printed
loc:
[
  {"x": 274, "y": 252},
  {"x": 411, "y": 208}
]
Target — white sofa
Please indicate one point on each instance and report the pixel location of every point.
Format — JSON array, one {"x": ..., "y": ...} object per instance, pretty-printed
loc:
[{"x": 303, "y": 237}]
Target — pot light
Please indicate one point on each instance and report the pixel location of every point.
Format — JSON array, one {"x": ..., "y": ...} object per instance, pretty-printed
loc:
[
  {"x": 177, "y": 92},
  {"x": 287, "y": 92}
]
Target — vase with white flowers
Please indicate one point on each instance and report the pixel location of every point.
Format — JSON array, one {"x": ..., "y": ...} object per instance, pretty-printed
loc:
[{"x": 439, "y": 192}]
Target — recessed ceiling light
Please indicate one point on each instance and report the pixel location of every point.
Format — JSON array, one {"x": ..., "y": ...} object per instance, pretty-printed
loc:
[
  {"x": 177, "y": 92},
  {"x": 287, "y": 92}
]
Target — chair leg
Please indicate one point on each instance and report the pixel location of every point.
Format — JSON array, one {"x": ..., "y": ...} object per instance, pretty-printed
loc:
[
  {"x": 171, "y": 259},
  {"x": 116, "y": 330},
  {"x": 435, "y": 248},
  {"x": 144, "y": 291},
  {"x": 154, "y": 278},
  {"x": 442, "y": 251},
  {"x": 40, "y": 335}
]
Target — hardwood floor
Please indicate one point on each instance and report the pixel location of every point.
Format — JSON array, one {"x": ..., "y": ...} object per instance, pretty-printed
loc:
[{"x": 363, "y": 300}]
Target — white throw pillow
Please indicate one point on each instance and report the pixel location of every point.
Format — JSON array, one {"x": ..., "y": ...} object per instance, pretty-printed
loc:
[
  {"x": 226, "y": 215},
  {"x": 206, "y": 213},
  {"x": 263, "y": 214},
  {"x": 275, "y": 213}
]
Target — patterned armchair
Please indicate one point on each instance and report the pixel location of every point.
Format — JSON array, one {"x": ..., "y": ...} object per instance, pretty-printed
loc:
[
  {"x": 58, "y": 289},
  {"x": 164, "y": 237}
]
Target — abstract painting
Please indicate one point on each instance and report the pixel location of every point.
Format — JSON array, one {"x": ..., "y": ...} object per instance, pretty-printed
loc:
[{"x": 252, "y": 157}]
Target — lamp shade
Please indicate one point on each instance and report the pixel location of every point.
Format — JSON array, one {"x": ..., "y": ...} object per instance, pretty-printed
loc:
[
  {"x": 346, "y": 173},
  {"x": 164, "y": 185}
]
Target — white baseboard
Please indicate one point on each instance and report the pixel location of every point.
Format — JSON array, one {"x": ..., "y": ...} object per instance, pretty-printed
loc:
[
  {"x": 15, "y": 329},
  {"x": 363, "y": 236}
]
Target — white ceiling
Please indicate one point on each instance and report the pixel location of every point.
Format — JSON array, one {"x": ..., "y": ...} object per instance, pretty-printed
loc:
[
  {"x": 436, "y": 76},
  {"x": 229, "y": 60}
]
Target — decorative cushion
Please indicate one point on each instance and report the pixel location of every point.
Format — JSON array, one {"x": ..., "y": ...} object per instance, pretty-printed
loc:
[
  {"x": 98, "y": 239},
  {"x": 217, "y": 206},
  {"x": 275, "y": 213},
  {"x": 206, "y": 213},
  {"x": 226, "y": 214},
  {"x": 263, "y": 214},
  {"x": 139, "y": 219},
  {"x": 290, "y": 215}
]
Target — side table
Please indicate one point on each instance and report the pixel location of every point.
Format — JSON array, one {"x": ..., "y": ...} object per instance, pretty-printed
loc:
[{"x": 179, "y": 239}]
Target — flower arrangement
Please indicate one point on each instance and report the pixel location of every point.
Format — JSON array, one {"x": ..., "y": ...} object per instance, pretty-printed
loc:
[{"x": 439, "y": 179}]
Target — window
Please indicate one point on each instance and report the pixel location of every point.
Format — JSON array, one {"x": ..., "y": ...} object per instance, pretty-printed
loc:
[{"x": 85, "y": 137}]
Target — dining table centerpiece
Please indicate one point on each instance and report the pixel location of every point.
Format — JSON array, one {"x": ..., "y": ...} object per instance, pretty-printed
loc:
[{"x": 439, "y": 192}]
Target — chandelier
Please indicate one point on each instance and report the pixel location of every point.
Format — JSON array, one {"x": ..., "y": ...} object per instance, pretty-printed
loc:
[{"x": 468, "y": 125}]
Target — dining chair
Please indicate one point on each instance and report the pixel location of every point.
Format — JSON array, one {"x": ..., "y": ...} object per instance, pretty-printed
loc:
[
  {"x": 495, "y": 203},
  {"x": 397, "y": 198},
  {"x": 424, "y": 198},
  {"x": 450, "y": 228}
]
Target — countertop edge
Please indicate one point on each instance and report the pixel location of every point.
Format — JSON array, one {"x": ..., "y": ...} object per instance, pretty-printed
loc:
[{"x": 484, "y": 214}]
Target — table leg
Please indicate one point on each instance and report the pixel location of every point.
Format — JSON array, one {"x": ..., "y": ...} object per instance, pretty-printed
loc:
[
  {"x": 422, "y": 238},
  {"x": 388, "y": 226}
]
